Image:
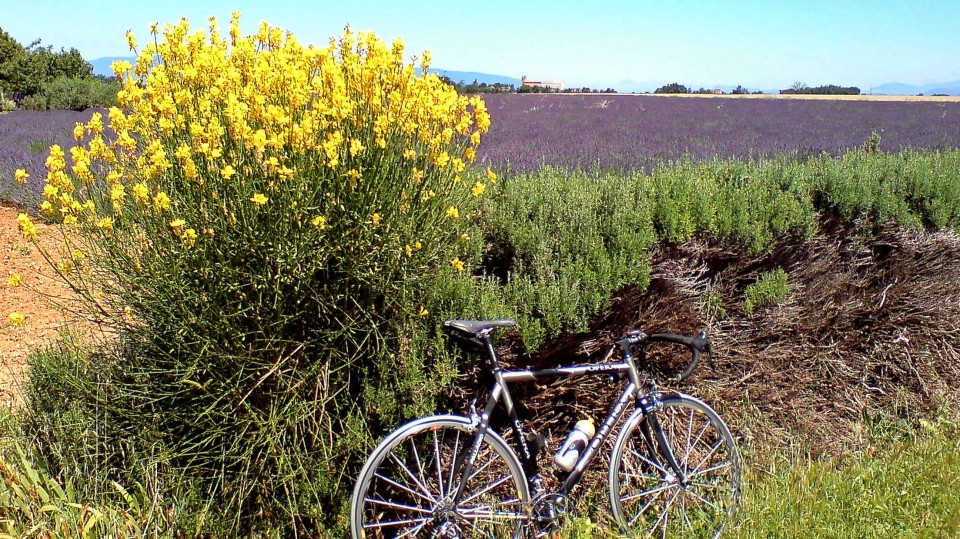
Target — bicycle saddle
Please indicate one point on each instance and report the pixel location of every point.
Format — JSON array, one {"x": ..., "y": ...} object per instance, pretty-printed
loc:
[{"x": 475, "y": 327}]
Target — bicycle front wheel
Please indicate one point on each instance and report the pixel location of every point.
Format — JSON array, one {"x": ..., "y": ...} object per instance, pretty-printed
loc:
[
  {"x": 408, "y": 485},
  {"x": 648, "y": 497}
]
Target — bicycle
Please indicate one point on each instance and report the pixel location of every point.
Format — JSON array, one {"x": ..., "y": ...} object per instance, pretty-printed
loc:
[{"x": 674, "y": 468}]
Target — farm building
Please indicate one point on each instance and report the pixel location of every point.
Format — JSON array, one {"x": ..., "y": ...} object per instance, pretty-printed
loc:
[{"x": 553, "y": 85}]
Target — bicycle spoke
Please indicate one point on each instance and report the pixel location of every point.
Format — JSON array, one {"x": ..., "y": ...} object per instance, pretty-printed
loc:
[
  {"x": 403, "y": 487},
  {"x": 488, "y": 488},
  {"x": 648, "y": 492},
  {"x": 456, "y": 453},
  {"x": 436, "y": 453},
  {"x": 403, "y": 466},
  {"x": 389, "y": 523},
  {"x": 394, "y": 505},
  {"x": 650, "y": 462},
  {"x": 709, "y": 454},
  {"x": 644, "y": 508},
  {"x": 715, "y": 467}
]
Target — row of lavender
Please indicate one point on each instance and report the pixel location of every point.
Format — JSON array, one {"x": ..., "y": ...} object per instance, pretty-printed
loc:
[
  {"x": 630, "y": 132},
  {"x": 615, "y": 132},
  {"x": 25, "y": 138}
]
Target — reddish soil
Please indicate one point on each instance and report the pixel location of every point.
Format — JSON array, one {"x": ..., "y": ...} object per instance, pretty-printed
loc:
[{"x": 42, "y": 299}]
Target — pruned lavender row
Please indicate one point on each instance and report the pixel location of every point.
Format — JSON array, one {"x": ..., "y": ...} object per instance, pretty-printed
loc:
[
  {"x": 614, "y": 132},
  {"x": 630, "y": 132},
  {"x": 25, "y": 138}
]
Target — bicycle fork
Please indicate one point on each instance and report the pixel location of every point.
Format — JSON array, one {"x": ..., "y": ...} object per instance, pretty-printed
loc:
[{"x": 652, "y": 430}]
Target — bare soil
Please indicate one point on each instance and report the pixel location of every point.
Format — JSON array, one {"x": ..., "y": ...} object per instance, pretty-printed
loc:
[{"x": 42, "y": 299}]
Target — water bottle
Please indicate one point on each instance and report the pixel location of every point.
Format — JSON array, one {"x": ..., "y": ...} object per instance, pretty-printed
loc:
[{"x": 575, "y": 443}]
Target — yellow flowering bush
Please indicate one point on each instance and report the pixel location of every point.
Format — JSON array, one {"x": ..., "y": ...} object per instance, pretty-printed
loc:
[{"x": 258, "y": 220}]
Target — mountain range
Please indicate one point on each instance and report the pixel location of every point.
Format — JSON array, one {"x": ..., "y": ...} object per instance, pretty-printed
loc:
[{"x": 101, "y": 66}]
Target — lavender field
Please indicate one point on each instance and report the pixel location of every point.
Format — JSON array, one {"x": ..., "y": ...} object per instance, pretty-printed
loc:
[
  {"x": 629, "y": 132},
  {"x": 612, "y": 132},
  {"x": 25, "y": 139}
]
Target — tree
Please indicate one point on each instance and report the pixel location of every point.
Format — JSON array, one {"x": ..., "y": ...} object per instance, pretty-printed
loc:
[
  {"x": 798, "y": 86},
  {"x": 739, "y": 90},
  {"x": 673, "y": 88},
  {"x": 10, "y": 50}
]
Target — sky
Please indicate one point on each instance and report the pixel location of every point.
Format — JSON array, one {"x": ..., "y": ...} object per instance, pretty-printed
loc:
[{"x": 627, "y": 45}]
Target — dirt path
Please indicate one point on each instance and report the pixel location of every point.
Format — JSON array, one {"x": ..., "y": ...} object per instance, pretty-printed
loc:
[{"x": 36, "y": 299}]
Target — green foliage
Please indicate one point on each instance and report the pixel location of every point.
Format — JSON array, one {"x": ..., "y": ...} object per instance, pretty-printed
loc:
[
  {"x": 905, "y": 489},
  {"x": 34, "y": 102},
  {"x": 555, "y": 246},
  {"x": 770, "y": 288},
  {"x": 33, "y": 503},
  {"x": 6, "y": 105},
  {"x": 80, "y": 94},
  {"x": 672, "y": 88},
  {"x": 28, "y": 71}
]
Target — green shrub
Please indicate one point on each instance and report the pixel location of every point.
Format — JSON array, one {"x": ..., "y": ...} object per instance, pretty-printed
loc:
[
  {"x": 79, "y": 93},
  {"x": 770, "y": 288},
  {"x": 34, "y": 102},
  {"x": 263, "y": 251}
]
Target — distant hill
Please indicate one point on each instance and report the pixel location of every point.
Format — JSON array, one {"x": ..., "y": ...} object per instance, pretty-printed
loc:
[
  {"x": 897, "y": 88},
  {"x": 101, "y": 66},
  {"x": 468, "y": 77}
]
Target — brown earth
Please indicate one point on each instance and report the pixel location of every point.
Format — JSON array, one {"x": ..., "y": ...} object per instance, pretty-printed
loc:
[
  {"x": 43, "y": 299},
  {"x": 871, "y": 330}
]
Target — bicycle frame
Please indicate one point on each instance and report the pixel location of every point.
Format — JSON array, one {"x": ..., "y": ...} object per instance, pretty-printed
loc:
[{"x": 500, "y": 393}]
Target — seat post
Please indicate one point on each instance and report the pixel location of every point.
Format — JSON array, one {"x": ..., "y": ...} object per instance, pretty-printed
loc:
[{"x": 491, "y": 352}]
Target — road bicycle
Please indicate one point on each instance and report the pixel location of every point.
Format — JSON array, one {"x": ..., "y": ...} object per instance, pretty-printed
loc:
[{"x": 674, "y": 469}]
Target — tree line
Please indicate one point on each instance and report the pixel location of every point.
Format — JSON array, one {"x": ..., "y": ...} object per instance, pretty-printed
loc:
[
  {"x": 796, "y": 88},
  {"x": 37, "y": 77}
]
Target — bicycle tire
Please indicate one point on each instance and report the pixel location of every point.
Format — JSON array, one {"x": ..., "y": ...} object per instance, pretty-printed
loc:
[
  {"x": 404, "y": 489},
  {"x": 648, "y": 498}
]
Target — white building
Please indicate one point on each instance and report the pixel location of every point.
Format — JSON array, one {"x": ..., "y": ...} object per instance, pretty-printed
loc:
[{"x": 553, "y": 85}]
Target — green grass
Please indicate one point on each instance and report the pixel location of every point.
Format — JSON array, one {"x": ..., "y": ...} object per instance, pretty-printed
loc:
[{"x": 906, "y": 488}]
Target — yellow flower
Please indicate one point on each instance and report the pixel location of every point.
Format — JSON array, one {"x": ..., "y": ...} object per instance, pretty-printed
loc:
[
  {"x": 131, "y": 41},
  {"x": 464, "y": 237},
  {"x": 140, "y": 194},
  {"x": 105, "y": 224},
  {"x": 319, "y": 222},
  {"x": 478, "y": 189},
  {"x": 15, "y": 280},
  {"x": 492, "y": 176},
  {"x": 356, "y": 147},
  {"x": 69, "y": 221},
  {"x": 27, "y": 228},
  {"x": 161, "y": 202},
  {"x": 258, "y": 199},
  {"x": 17, "y": 319},
  {"x": 177, "y": 225},
  {"x": 78, "y": 255},
  {"x": 456, "y": 264},
  {"x": 189, "y": 237},
  {"x": 424, "y": 312},
  {"x": 375, "y": 219},
  {"x": 20, "y": 176},
  {"x": 227, "y": 172},
  {"x": 65, "y": 266},
  {"x": 453, "y": 212}
]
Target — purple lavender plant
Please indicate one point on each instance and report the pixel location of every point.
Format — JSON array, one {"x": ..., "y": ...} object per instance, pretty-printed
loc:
[
  {"x": 631, "y": 132},
  {"x": 25, "y": 139}
]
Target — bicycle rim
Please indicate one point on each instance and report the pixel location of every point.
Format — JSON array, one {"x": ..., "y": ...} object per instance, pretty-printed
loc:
[
  {"x": 407, "y": 486},
  {"x": 650, "y": 500}
]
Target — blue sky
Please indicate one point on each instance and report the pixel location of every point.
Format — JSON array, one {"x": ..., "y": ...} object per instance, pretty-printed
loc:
[{"x": 597, "y": 43}]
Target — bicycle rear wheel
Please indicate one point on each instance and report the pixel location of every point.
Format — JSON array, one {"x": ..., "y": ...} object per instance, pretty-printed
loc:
[
  {"x": 407, "y": 485},
  {"x": 647, "y": 496}
]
